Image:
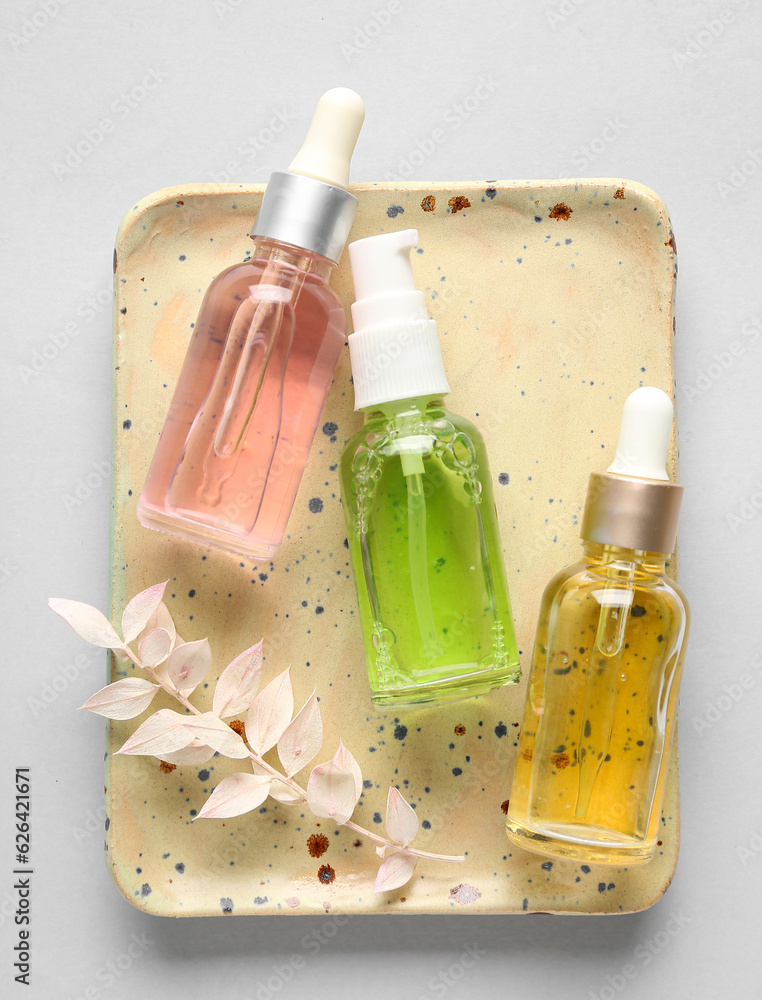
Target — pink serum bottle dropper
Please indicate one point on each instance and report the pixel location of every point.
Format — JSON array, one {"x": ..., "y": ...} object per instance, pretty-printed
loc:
[{"x": 261, "y": 358}]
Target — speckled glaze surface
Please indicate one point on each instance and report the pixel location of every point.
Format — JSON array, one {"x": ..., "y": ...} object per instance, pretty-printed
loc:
[{"x": 554, "y": 300}]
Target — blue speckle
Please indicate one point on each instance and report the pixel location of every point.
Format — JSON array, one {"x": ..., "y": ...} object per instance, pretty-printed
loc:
[
  {"x": 226, "y": 904},
  {"x": 501, "y": 730},
  {"x": 425, "y": 824},
  {"x": 367, "y": 783},
  {"x": 145, "y": 889},
  {"x": 585, "y": 869},
  {"x": 546, "y": 866},
  {"x": 180, "y": 867},
  {"x": 504, "y": 479},
  {"x": 400, "y": 732},
  {"x": 376, "y": 817},
  {"x": 457, "y": 771},
  {"x": 601, "y": 887},
  {"x": 316, "y": 505},
  {"x": 490, "y": 192},
  {"x": 260, "y": 900},
  {"x": 394, "y": 210},
  {"x": 182, "y": 257},
  {"x": 203, "y": 775}
]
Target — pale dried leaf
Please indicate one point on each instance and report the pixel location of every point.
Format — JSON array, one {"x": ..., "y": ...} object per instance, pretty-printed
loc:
[
  {"x": 195, "y": 753},
  {"x": 161, "y": 618},
  {"x": 124, "y": 699},
  {"x": 238, "y": 683},
  {"x": 395, "y": 871},
  {"x": 188, "y": 665},
  {"x": 270, "y": 713},
  {"x": 303, "y": 738},
  {"x": 237, "y": 794},
  {"x": 139, "y": 610},
  {"x": 155, "y": 648},
  {"x": 331, "y": 792},
  {"x": 279, "y": 790},
  {"x": 381, "y": 851},
  {"x": 87, "y": 621},
  {"x": 162, "y": 733},
  {"x": 346, "y": 762},
  {"x": 208, "y": 729},
  {"x": 401, "y": 820}
]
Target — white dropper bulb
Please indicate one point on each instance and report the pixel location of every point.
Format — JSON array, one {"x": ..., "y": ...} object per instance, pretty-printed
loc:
[
  {"x": 331, "y": 138},
  {"x": 644, "y": 435}
]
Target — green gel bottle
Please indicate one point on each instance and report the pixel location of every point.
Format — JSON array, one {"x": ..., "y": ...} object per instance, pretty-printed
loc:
[{"x": 417, "y": 495}]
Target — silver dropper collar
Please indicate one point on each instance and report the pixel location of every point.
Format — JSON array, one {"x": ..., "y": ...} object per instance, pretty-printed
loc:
[{"x": 306, "y": 213}]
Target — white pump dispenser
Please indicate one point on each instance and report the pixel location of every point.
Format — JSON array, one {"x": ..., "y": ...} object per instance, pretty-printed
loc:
[{"x": 394, "y": 350}]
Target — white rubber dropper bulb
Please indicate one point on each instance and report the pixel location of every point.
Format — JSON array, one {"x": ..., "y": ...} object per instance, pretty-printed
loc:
[
  {"x": 644, "y": 435},
  {"x": 331, "y": 138}
]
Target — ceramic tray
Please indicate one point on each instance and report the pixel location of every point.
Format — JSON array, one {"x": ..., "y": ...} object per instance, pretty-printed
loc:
[{"x": 553, "y": 301}]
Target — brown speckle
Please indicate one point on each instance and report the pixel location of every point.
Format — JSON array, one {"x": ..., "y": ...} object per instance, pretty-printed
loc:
[
  {"x": 671, "y": 243},
  {"x": 115, "y": 260},
  {"x": 326, "y": 874},
  {"x": 560, "y": 211},
  {"x": 658, "y": 843},
  {"x": 460, "y": 729},
  {"x": 403, "y": 899},
  {"x": 238, "y": 727},
  {"x": 559, "y": 760},
  {"x": 619, "y": 193},
  {"x": 504, "y": 806},
  {"x": 458, "y": 203},
  {"x": 357, "y": 843},
  {"x": 317, "y": 845},
  {"x": 181, "y": 203},
  {"x": 429, "y": 203},
  {"x": 166, "y": 767},
  {"x": 527, "y": 754}
]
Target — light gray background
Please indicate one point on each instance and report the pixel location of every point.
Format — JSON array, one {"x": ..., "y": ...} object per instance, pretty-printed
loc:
[{"x": 681, "y": 83}]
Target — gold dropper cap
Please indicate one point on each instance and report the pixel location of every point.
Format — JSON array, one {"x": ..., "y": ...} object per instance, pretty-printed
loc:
[{"x": 633, "y": 504}]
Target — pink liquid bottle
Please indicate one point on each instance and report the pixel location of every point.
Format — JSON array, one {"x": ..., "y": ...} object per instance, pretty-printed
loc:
[{"x": 259, "y": 366}]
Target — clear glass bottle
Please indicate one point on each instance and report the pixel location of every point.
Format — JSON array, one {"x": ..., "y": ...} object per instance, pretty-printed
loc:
[
  {"x": 260, "y": 362},
  {"x": 593, "y": 753},
  {"x": 417, "y": 494}
]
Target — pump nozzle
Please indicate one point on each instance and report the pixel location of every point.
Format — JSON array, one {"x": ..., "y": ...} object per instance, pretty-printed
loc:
[
  {"x": 644, "y": 435},
  {"x": 331, "y": 138}
]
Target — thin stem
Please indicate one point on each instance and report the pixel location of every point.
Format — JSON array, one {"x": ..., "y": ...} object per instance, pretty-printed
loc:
[{"x": 289, "y": 782}]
